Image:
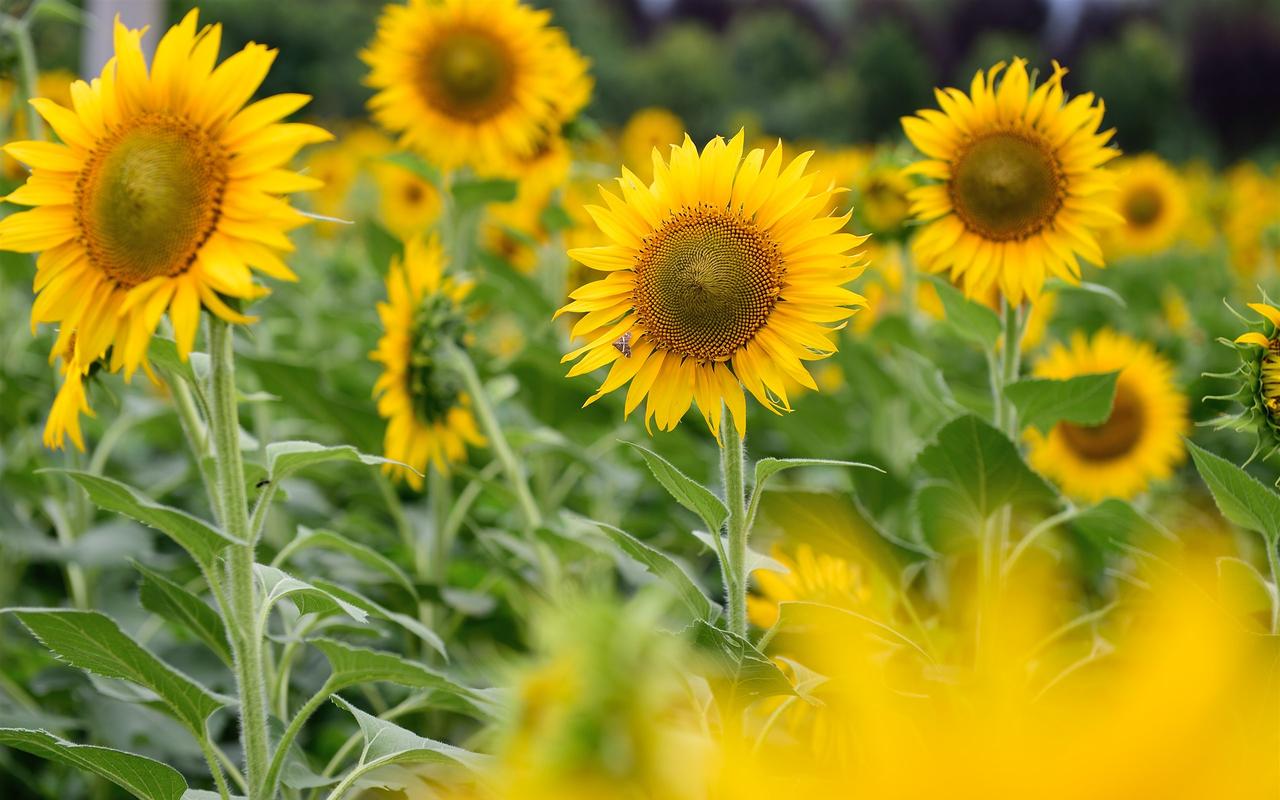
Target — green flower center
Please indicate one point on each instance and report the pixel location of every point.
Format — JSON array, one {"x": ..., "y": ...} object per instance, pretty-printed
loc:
[
  {"x": 1006, "y": 186},
  {"x": 149, "y": 197},
  {"x": 434, "y": 387},
  {"x": 1114, "y": 438},
  {"x": 468, "y": 74},
  {"x": 1142, "y": 206},
  {"x": 706, "y": 282}
]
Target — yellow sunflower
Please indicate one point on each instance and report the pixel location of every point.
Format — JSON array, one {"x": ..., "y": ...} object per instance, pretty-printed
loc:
[
  {"x": 1259, "y": 374},
  {"x": 1141, "y": 440},
  {"x": 408, "y": 204},
  {"x": 473, "y": 81},
  {"x": 883, "y": 199},
  {"x": 811, "y": 577},
  {"x": 724, "y": 272},
  {"x": 163, "y": 196},
  {"x": 1252, "y": 210},
  {"x": 646, "y": 129},
  {"x": 429, "y": 419},
  {"x": 1021, "y": 192},
  {"x": 1153, "y": 203}
]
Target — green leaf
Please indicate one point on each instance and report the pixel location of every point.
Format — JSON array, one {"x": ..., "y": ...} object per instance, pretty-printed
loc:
[
  {"x": 204, "y": 542},
  {"x": 167, "y": 599},
  {"x": 380, "y": 245},
  {"x": 1113, "y": 523},
  {"x": 416, "y": 164},
  {"x": 328, "y": 540},
  {"x": 286, "y": 458},
  {"x": 1241, "y": 498},
  {"x": 662, "y": 566},
  {"x": 93, "y": 642},
  {"x": 278, "y": 585},
  {"x": 554, "y": 218},
  {"x": 686, "y": 491},
  {"x": 984, "y": 465},
  {"x": 163, "y": 353},
  {"x": 972, "y": 321},
  {"x": 355, "y": 665},
  {"x": 60, "y": 10},
  {"x": 768, "y": 467},
  {"x": 1059, "y": 285},
  {"x": 735, "y": 659},
  {"x": 475, "y": 193},
  {"x": 374, "y": 609},
  {"x": 1083, "y": 400},
  {"x": 141, "y": 777},
  {"x": 386, "y": 743}
]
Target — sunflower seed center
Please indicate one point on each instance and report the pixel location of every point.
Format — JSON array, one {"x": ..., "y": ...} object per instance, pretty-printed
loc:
[
  {"x": 468, "y": 74},
  {"x": 1006, "y": 186},
  {"x": 149, "y": 197},
  {"x": 706, "y": 282},
  {"x": 1142, "y": 206},
  {"x": 1114, "y": 438}
]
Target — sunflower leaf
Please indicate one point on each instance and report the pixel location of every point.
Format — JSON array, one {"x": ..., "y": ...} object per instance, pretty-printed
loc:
[
  {"x": 972, "y": 321},
  {"x": 984, "y": 465},
  {"x": 735, "y": 659},
  {"x": 167, "y": 599},
  {"x": 664, "y": 567},
  {"x": 476, "y": 193},
  {"x": 1241, "y": 498},
  {"x": 142, "y": 777},
  {"x": 286, "y": 458},
  {"x": 686, "y": 491},
  {"x": 1082, "y": 400}
]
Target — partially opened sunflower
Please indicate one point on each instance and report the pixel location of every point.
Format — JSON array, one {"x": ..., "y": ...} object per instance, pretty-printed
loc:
[
  {"x": 726, "y": 271},
  {"x": 163, "y": 196}
]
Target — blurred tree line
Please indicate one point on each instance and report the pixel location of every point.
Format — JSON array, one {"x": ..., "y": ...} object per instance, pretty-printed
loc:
[{"x": 1183, "y": 77}]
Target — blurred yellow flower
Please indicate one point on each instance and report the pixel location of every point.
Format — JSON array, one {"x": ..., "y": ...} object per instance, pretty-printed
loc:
[
  {"x": 408, "y": 204},
  {"x": 429, "y": 419},
  {"x": 473, "y": 82},
  {"x": 1141, "y": 439},
  {"x": 647, "y": 129},
  {"x": 166, "y": 192},
  {"x": 1250, "y": 218},
  {"x": 1021, "y": 191},
  {"x": 812, "y": 577},
  {"x": 1153, "y": 202},
  {"x": 53, "y": 85},
  {"x": 882, "y": 199},
  {"x": 725, "y": 272}
]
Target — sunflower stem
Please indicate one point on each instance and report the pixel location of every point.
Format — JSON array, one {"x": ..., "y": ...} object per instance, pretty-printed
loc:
[
  {"x": 242, "y": 604},
  {"x": 732, "y": 461}
]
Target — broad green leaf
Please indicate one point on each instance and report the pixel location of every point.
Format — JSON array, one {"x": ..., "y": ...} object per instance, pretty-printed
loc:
[
  {"x": 971, "y": 320},
  {"x": 405, "y": 621},
  {"x": 328, "y": 540},
  {"x": 286, "y": 458},
  {"x": 93, "y": 642},
  {"x": 554, "y": 218},
  {"x": 1241, "y": 498},
  {"x": 204, "y": 542},
  {"x": 386, "y": 743},
  {"x": 662, "y": 566},
  {"x": 163, "y": 353},
  {"x": 755, "y": 559},
  {"x": 144, "y": 778},
  {"x": 472, "y": 194},
  {"x": 1113, "y": 523},
  {"x": 768, "y": 467},
  {"x": 167, "y": 599},
  {"x": 1083, "y": 400},
  {"x": 686, "y": 491},
  {"x": 984, "y": 465},
  {"x": 380, "y": 245},
  {"x": 735, "y": 659},
  {"x": 278, "y": 585},
  {"x": 946, "y": 521},
  {"x": 1059, "y": 285},
  {"x": 352, "y": 665},
  {"x": 415, "y": 164}
]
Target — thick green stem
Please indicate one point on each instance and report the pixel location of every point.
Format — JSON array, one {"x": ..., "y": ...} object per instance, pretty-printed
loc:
[
  {"x": 732, "y": 458},
  {"x": 497, "y": 439},
  {"x": 241, "y": 613},
  {"x": 1011, "y": 361},
  {"x": 193, "y": 429}
]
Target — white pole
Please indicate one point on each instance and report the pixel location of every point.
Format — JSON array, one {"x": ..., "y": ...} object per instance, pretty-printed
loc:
[{"x": 96, "y": 46}]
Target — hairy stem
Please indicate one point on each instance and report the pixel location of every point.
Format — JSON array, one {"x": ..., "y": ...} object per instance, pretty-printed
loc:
[{"x": 732, "y": 457}]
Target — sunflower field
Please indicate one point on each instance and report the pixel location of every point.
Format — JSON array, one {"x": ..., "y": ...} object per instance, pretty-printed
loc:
[{"x": 351, "y": 352}]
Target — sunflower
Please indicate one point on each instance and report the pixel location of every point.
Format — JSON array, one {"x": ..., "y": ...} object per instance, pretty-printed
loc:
[
  {"x": 408, "y": 204},
  {"x": 429, "y": 419},
  {"x": 473, "y": 81},
  {"x": 164, "y": 194},
  {"x": 1153, "y": 202},
  {"x": 1249, "y": 219},
  {"x": 646, "y": 129},
  {"x": 1021, "y": 189},
  {"x": 1141, "y": 439},
  {"x": 883, "y": 199},
  {"x": 1259, "y": 375},
  {"x": 811, "y": 577},
  {"x": 724, "y": 272}
]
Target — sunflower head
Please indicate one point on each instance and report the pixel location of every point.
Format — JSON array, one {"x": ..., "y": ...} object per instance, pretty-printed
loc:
[
  {"x": 473, "y": 81},
  {"x": 1258, "y": 380},
  {"x": 1019, "y": 192},
  {"x": 428, "y": 413},
  {"x": 884, "y": 205},
  {"x": 1141, "y": 439},
  {"x": 646, "y": 129},
  {"x": 1152, "y": 201},
  {"x": 726, "y": 271}
]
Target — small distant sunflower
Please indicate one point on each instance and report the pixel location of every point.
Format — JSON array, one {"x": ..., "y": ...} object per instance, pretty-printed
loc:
[
  {"x": 648, "y": 128},
  {"x": 429, "y": 419},
  {"x": 1141, "y": 440},
  {"x": 473, "y": 81},
  {"x": 724, "y": 272},
  {"x": 164, "y": 195},
  {"x": 1250, "y": 219},
  {"x": 1259, "y": 375},
  {"x": 408, "y": 204},
  {"x": 514, "y": 230},
  {"x": 883, "y": 199},
  {"x": 1153, "y": 203},
  {"x": 1021, "y": 191},
  {"x": 811, "y": 577}
]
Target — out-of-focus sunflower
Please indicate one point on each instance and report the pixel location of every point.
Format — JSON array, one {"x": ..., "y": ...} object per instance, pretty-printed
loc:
[
  {"x": 1250, "y": 218},
  {"x": 53, "y": 85},
  {"x": 473, "y": 81},
  {"x": 646, "y": 129},
  {"x": 724, "y": 272},
  {"x": 339, "y": 166},
  {"x": 408, "y": 204},
  {"x": 1141, "y": 440},
  {"x": 845, "y": 167},
  {"x": 513, "y": 230},
  {"x": 1153, "y": 203},
  {"x": 882, "y": 198},
  {"x": 1021, "y": 191},
  {"x": 429, "y": 419},
  {"x": 811, "y": 577},
  {"x": 164, "y": 195}
]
